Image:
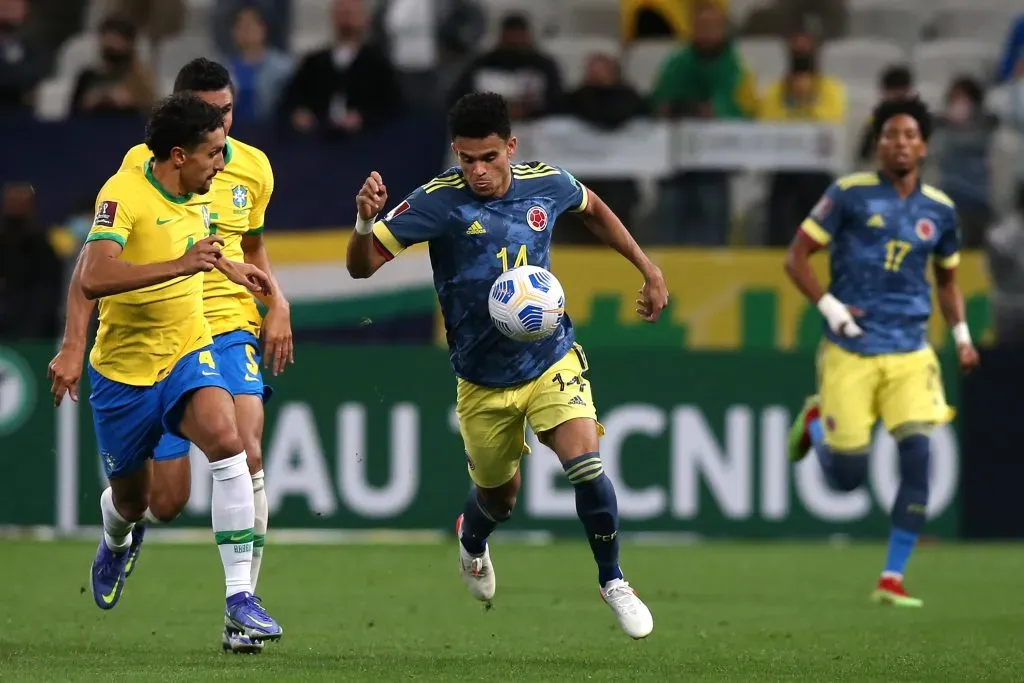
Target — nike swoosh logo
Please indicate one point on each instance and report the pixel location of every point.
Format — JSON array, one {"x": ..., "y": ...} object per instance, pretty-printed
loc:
[
  {"x": 250, "y": 378},
  {"x": 109, "y": 597},
  {"x": 256, "y": 621},
  {"x": 210, "y": 374},
  {"x": 244, "y": 538},
  {"x": 165, "y": 221}
]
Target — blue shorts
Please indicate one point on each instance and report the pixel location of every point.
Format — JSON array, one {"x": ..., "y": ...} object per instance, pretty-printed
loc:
[
  {"x": 129, "y": 420},
  {"x": 238, "y": 359}
]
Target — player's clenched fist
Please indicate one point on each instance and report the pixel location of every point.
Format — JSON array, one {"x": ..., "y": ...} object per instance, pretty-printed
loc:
[
  {"x": 203, "y": 256},
  {"x": 372, "y": 197}
]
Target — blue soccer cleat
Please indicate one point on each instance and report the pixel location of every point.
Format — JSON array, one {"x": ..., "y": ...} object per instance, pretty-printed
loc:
[
  {"x": 138, "y": 533},
  {"x": 245, "y": 614},
  {"x": 238, "y": 643},
  {"x": 108, "y": 576}
]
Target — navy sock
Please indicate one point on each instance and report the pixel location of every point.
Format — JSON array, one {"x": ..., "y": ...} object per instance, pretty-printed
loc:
[
  {"x": 843, "y": 471},
  {"x": 599, "y": 512},
  {"x": 477, "y": 523},
  {"x": 910, "y": 510},
  {"x": 821, "y": 451}
]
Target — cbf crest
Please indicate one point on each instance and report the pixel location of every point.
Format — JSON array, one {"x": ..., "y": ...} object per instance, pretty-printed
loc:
[{"x": 240, "y": 196}]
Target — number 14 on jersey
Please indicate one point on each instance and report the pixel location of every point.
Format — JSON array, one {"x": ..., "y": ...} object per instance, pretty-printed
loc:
[{"x": 520, "y": 258}]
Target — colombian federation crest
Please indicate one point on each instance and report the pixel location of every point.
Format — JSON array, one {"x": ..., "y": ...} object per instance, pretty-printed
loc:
[
  {"x": 925, "y": 230},
  {"x": 537, "y": 218},
  {"x": 17, "y": 391},
  {"x": 240, "y": 196},
  {"x": 205, "y": 210}
]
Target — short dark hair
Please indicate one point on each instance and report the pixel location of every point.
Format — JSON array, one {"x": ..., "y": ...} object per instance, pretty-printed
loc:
[
  {"x": 180, "y": 120},
  {"x": 515, "y": 21},
  {"x": 478, "y": 115},
  {"x": 914, "y": 108},
  {"x": 896, "y": 76},
  {"x": 968, "y": 86},
  {"x": 202, "y": 75}
]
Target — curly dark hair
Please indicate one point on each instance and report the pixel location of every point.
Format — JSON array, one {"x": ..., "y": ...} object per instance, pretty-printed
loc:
[
  {"x": 478, "y": 115},
  {"x": 202, "y": 75},
  {"x": 914, "y": 108},
  {"x": 180, "y": 120}
]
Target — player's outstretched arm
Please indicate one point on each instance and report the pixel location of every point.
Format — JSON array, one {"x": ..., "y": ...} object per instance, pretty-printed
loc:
[
  {"x": 65, "y": 369},
  {"x": 278, "y": 347},
  {"x": 246, "y": 275},
  {"x": 840, "y": 317},
  {"x": 105, "y": 273},
  {"x": 607, "y": 227},
  {"x": 362, "y": 258}
]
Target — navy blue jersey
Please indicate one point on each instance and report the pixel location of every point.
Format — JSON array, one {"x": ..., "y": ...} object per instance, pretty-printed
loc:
[
  {"x": 472, "y": 240},
  {"x": 880, "y": 249}
]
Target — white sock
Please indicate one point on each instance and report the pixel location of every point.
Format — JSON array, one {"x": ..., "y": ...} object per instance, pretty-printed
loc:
[
  {"x": 233, "y": 515},
  {"x": 260, "y": 529},
  {"x": 117, "y": 531},
  {"x": 150, "y": 518}
]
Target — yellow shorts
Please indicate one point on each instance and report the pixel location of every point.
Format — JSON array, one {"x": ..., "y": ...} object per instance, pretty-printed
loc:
[
  {"x": 855, "y": 391},
  {"x": 493, "y": 421}
]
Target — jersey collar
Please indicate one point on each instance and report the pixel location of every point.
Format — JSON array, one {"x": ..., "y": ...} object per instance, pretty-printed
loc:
[
  {"x": 176, "y": 199},
  {"x": 228, "y": 151},
  {"x": 885, "y": 182}
]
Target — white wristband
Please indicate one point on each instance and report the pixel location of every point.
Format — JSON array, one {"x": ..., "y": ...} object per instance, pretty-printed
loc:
[
  {"x": 833, "y": 309},
  {"x": 961, "y": 333},
  {"x": 363, "y": 226}
]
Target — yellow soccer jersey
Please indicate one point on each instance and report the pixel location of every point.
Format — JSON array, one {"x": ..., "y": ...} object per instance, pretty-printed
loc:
[
  {"x": 238, "y": 206},
  {"x": 144, "y": 333}
]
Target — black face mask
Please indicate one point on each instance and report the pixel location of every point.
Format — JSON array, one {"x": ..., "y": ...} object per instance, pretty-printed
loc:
[{"x": 116, "y": 58}]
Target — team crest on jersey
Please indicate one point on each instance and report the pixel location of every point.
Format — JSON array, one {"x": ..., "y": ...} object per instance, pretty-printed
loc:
[
  {"x": 821, "y": 209},
  {"x": 537, "y": 218},
  {"x": 105, "y": 214},
  {"x": 925, "y": 230},
  {"x": 205, "y": 210},
  {"x": 397, "y": 211},
  {"x": 240, "y": 196}
]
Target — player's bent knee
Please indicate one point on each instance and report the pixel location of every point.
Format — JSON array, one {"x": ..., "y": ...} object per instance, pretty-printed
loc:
[
  {"x": 497, "y": 503},
  {"x": 253, "y": 454},
  {"x": 849, "y": 470}
]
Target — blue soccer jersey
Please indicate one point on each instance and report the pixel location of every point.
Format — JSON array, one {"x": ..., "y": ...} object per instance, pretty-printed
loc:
[
  {"x": 472, "y": 240},
  {"x": 880, "y": 247}
]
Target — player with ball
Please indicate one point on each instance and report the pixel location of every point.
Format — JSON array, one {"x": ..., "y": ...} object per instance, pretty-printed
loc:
[{"x": 488, "y": 226}]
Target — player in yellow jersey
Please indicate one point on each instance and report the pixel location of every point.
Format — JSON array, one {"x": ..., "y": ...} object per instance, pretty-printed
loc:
[
  {"x": 238, "y": 202},
  {"x": 154, "y": 368}
]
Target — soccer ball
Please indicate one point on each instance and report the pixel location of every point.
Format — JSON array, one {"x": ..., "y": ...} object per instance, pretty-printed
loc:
[{"x": 526, "y": 303}]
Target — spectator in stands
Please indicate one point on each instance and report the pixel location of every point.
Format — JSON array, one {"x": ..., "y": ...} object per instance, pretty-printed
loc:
[
  {"x": 895, "y": 83},
  {"x": 829, "y": 19},
  {"x": 429, "y": 42},
  {"x": 345, "y": 87},
  {"x": 1011, "y": 64},
  {"x": 961, "y": 145},
  {"x": 51, "y": 23},
  {"x": 121, "y": 83},
  {"x": 705, "y": 79},
  {"x": 22, "y": 65},
  {"x": 643, "y": 19},
  {"x": 516, "y": 68},
  {"x": 30, "y": 272},
  {"x": 607, "y": 102},
  {"x": 1005, "y": 250},
  {"x": 1016, "y": 89},
  {"x": 277, "y": 16},
  {"x": 805, "y": 94},
  {"x": 260, "y": 73},
  {"x": 158, "y": 20}
]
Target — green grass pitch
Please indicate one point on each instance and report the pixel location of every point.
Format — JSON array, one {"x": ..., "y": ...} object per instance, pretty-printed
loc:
[{"x": 723, "y": 612}]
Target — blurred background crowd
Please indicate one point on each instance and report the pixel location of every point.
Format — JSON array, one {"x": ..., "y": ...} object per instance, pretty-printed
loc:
[{"x": 355, "y": 84}]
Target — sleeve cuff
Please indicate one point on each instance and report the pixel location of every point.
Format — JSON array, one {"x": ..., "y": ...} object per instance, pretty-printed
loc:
[
  {"x": 815, "y": 231},
  {"x": 112, "y": 236},
  {"x": 254, "y": 231},
  {"x": 585, "y": 202},
  {"x": 949, "y": 262},
  {"x": 386, "y": 241}
]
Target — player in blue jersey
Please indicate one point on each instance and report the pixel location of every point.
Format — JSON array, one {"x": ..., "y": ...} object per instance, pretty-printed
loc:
[
  {"x": 475, "y": 221},
  {"x": 875, "y": 362}
]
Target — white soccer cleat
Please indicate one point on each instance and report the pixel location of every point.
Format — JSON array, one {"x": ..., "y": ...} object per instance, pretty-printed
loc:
[
  {"x": 476, "y": 570},
  {"x": 634, "y": 617}
]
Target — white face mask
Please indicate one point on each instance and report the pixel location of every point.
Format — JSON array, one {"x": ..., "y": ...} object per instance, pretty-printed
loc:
[{"x": 959, "y": 110}]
